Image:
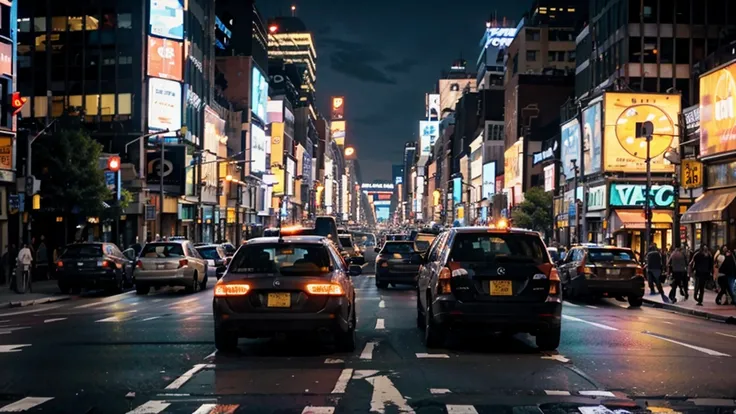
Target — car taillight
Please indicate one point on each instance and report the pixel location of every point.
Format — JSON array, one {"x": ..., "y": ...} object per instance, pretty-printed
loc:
[
  {"x": 384, "y": 264},
  {"x": 443, "y": 282},
  {"x": 553, "y": 277},
  {"x": 223, "y": 289},
  {"x": 639, "y": 271},
  {"x": 59, "y": 264},
  {"x": 139, "y": 264},
  {"x": 328, "y": 289},
  {"x": 183, "y": 262}
]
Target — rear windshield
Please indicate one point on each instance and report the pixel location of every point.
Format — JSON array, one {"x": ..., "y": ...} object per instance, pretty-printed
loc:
[
  {"x": 407, "y": 247},
  {"x": 81, "y": 251},
  {"x": 162, "y": 250},
  {"x": 498, "y": 247},
  {"x": 285, "y": 259},
  {"x": 395, "y": 237},
  {"x": 423, "y": 241},
  {"x": 209, "y": 253},
  {"x": 610, "y": 255},
  {"x": 346, "y": 242}
]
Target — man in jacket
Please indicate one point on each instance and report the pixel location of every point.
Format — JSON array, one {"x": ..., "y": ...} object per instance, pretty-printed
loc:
[
  {"x": 678, "y": 265},
  {"x": 654, "y": 271},
  {"x": 702, "y": 264}
]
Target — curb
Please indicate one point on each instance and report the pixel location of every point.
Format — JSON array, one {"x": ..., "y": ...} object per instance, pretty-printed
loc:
[
  {"x": 31, "y": 302},
  {"x": 679, "y": 309}
]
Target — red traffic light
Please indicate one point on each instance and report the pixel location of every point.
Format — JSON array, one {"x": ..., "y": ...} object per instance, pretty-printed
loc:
[
  {"x": 17, "y": 102},
  {"x": 113, "y": 163}
]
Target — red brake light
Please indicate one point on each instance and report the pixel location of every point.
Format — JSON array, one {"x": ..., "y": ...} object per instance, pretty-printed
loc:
[
  {"x": 139, "y": 264},
  {"x": 327, "y": 289},
  {"x": 183, "y": 262},
  {"x": 444, "y": 284},
  {"x": 59, "y": 264},
  {"x": 231, "y": 289},
  {"x": 107, "y": 263}
]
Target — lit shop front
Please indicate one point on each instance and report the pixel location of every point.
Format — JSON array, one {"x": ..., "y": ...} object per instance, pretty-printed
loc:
[{"x": 627, "y": 221}]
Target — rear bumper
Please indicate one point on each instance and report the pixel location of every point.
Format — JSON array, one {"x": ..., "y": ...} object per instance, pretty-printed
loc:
[
  {"x": 259, "y": 323},
  {"x": 385, "y": 275},
  {"x": 511, "y": 317},
  {"x": 95, "y": 279},
  {"x": 627, "y": 287},
  {"x": 162, "y": 277}
]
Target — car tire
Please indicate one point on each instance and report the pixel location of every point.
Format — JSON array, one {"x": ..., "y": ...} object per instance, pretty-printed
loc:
[
  {"x": 345, "y": 341},
  {"x": 635, "y": 301},
  {"x": 434, "y": 335},
  {"x": 142, "y": 289},
  {"x": 420, "y": 314},
  {"x": 381, "y": 285},
  {"x": 548, "y": 340},
  {"x": 203, "y": 285},
  {"x": 225, "y": 341},
  {"x": 191, "y": 288}
]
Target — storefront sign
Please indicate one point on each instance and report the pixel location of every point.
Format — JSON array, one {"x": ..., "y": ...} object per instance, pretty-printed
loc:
[
  {"x": 691, "y": 174},
  {"x": 377, "y": 186},
  {"x": 544, "y": 155},
  {"x": 164, "y": 105},
  {"x": 597, "y": 198},
  {"x": 6, "y": 59},
  {"x": 165, "y": 58},
  {"x": 633, "y": 195},
  {"x": 6, "y": 153}
]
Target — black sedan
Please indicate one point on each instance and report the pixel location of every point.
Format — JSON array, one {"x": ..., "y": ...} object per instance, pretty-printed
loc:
[
  {"x": 94, "y": 266},
  {"x": 397, "y": 262},
  {"x": 296, "y": 284}
]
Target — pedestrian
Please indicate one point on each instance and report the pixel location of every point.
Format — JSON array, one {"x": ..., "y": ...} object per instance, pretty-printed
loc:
[
  {"x": 678, "y": 266},
  {"x": 654, "y": 271},
  {"x": 25, "y": 260},
  {"x": 702, "y": 264},
  {"x": 726, "y": 269}
]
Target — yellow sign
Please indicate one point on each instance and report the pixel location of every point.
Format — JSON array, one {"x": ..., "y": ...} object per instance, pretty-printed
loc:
[
  {"x": 718, "y": 111},
  {"x": 512, "y": 167},
  {"x": 436, "y": 197},
  {"x": 337, "y": 129},
  {"x": 6, "y": 153},
  {"x": 691, "y": 174},
  {"x": 277, "y": 156},
  {"x": 625, "y": 113}
]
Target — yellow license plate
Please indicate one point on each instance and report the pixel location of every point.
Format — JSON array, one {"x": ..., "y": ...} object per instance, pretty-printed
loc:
[
  {"x": 279, "y": 300},
  {"x": 501, "y": 288}
]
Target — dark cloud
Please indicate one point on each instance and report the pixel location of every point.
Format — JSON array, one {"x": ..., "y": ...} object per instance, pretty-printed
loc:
[
  {"x": 374, "y": 119},
  {"x": 355, "y": 66},
  {"x": 403, "y": 66},
  {"x": 367, "y": 52}
]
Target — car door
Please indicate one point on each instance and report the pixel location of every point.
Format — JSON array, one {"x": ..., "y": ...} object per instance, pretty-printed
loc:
[
  {"x": 429, "y": 268},
  {"x": 576, "y": 257},
  {"x": 126, "y": 264}
]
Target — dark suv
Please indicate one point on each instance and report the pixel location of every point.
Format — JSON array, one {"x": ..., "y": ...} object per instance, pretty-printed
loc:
[{"x": 501, "y": 280}]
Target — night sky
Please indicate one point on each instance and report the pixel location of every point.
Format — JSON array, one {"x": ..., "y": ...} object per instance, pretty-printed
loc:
[{"x": 383, "y": 55}]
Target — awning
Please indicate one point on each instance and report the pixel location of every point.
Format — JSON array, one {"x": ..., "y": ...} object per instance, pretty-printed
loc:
[
  {"x": 634, "y": 220},
  {"x": 711, "y": 207}
]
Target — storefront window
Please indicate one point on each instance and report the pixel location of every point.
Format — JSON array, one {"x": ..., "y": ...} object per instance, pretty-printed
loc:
[
  {"x": 721, "y": 175},
  {"x": 717, "y": 233}
]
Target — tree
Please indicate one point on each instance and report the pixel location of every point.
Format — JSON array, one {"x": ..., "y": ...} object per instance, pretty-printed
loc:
[
  {"x": 67, "y": 163},
  {"x": 535, "y": 212}
]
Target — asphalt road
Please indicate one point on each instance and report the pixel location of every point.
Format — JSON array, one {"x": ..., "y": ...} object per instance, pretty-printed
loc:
[{"x": 155, "y": 354}]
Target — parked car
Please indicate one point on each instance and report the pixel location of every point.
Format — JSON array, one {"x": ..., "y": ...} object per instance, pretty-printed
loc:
[
  {"x": 297, "y": 284},
  {"x": 174, "y": 263},
  {"x": 500, "y": 280},
  {"x": 423, "y": 240},
  {"x": 216, "y": 257},
  {"x": 397, "y": 262},
  {"x": 95, "y": 266}
]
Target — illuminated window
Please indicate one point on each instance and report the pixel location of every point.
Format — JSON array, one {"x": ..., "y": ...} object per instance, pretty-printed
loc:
[
  {"x": 125, "y": 104},
  {"x": 57, "y": 106},
  {"x": 75, "y": 101},
  {"x": 39, "y": 24},
  {"x": 24, "y": 24},
  {"x": 125, "y": 21},
  {"x": 25, "y": 111},
  {"x": 107, "y": 104},
  {"x": 76, "y": 24},
  {"x": 571, "y": 10},
  {"x": 91, "y": 104},
  {"x": 58, "y": 24},
  {"x": 40, "y": 106}
]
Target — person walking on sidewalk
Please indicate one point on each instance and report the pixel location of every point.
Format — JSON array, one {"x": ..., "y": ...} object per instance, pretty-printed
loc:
[
  {"x": 702, "y": 265},
  {"x": 678, "y": 266},
  {"x": 25, "y": 259},
  {"x": 654, "y": 271},
  {"x": 726, "y": 269}
]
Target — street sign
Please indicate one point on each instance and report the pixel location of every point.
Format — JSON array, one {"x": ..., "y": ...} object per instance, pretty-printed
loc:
[
  {"x": 14, "y": 203},
  {"x": 691, "y": 174},
  {"x": 150, "y": 212}
]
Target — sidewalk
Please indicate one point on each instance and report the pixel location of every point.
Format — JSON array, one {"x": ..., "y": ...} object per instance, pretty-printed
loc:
[
  {"x": 709, "y": 310},
  {"x": 43, "y": 292}
]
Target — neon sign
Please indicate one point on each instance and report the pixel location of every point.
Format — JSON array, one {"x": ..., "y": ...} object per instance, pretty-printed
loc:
[{"x": 500, "y": 37}]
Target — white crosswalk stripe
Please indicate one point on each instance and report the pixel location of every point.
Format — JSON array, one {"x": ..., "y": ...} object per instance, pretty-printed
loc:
[
  {"x": 24, "y": 405},
  {"x": 460, "y": 409},
  {"x": 150, "y": 407}
]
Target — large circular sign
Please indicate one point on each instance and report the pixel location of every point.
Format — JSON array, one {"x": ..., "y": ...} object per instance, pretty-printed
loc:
[{"x": 664, "y": 131}]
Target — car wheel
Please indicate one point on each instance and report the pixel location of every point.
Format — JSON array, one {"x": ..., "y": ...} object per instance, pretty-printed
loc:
[
  {"x": 548, "y": 340},
  {"x": 203, "y": 285},
  {"x": 420, "y": 313},
  {"x": 434, "y": 335},
  {"x": 346, "y": 340},
  {"x": 635, "y": 301},
  {"x": 64, "y": 288},
  {"x": 225, "y": 341},
  {"x": 141, "y": 289},
  {"x": 194, "y": 284},
  {"x": 119, "y": 285},
  {"x": 381, "y": 285}
]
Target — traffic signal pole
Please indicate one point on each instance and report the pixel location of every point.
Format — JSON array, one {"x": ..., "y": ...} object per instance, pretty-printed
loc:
[{"x": 28, "y": 176}]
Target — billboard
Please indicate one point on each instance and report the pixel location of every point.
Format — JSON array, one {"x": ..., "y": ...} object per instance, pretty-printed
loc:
[
  {"x": 489, "y": 180},
  {"x": 433, "y": 107},
  {"x": 164, "y": 105},
  {"x": 337, "y": 129},
  {"x": 275, "y": 109},
  {"x": 214, "y": 134},
  {"x": 425, "y": 139},
  {"x": 277, "y": 156},
  {"x": 167, "y": 18},
  {"x": 570, "y": 138},
  {"x": 258, "y": 145},
  {"x": 457, "y": 190},
  {"x": 718, "y": 111},
  {"x": 259, "y": 94},
  {"x": 431, "y": 129},
  {"x": 592, "y": 139},
  {"x": 624, "y": 115},
  {"x": 173, "y": 169},
  {"x": 6, "y": 59},
  {"x": 165, "y": 58},
  {"x": 634, "y": 195},
  {"x": 338, "y": 108}
]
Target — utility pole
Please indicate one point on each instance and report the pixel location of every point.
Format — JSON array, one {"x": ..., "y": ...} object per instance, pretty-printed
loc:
[
  {"x": 161, "y": 165},
  {"x": 647, "y": 129},
  {"x": 575, "y": 199},
  {"x": 29, "y": 177}
]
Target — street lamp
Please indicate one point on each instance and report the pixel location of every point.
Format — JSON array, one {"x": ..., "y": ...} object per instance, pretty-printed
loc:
[{"x": 349, "y": 151}]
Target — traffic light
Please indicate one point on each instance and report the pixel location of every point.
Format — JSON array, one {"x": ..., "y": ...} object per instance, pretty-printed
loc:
[
  {"x": 17, "y": 102},
  {"x": 113, "y": 163},
  {"x": 36, "y": 202}
]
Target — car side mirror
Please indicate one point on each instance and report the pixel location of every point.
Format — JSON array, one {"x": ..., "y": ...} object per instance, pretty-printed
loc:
[
  {"x": 355, "y": 270},
  {"x": 129, "y": 254},
  {"x": 377, "y": 250}
]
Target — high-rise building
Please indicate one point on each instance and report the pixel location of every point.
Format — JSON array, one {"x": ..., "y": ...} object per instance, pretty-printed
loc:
[
  {"x": 290, "y": 41},
  {"x": 453, "y": 84},
  {"x": 8, "y": 163},
  {"x": 494, "y": 45}
]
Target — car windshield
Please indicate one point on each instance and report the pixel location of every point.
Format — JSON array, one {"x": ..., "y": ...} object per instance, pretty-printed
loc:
[
  {"x": 162, "y": 250},
  {"x": 346, "y": 242},
  {"x": 498, "y": 247},
  {"x": 287, "y": 259},
  {"x": 423, "y": 241},
  {"x": 610, "y": 255},
  {"x": 210, "y": 253},
  {"x": 401, "y": 248},
  {"x": 81, "y": 251}
]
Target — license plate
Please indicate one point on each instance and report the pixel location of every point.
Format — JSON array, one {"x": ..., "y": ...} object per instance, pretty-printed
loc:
[
  {"x": 279, "y": 300},
  {"x": 80, "y": 264},
  {"x": 159, "y": 266},
  {"x": 501, "y": 288},
  {"x": 613, "y": 272}
]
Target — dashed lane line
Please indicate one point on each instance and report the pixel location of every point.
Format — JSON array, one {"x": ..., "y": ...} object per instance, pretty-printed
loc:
[
  {"x": 571, "y": 304},
  {"x": 4, "y": 349},
  {"x": 460, "y": 409},
  {"x": 591, "y": 306},
  {"x": 8, "y": 330},
  {"x": 439, "y": 391},
  {"x": 368, "y": 350},
  {"x": 382, "y": 304},
  {"x": 724, "y": 334},
  {"x": 432, "y": 356},
  {"x": 596, "y": 393},
  {"x": 695, "y": 347},
  {"x": 24, "y": 405},
  {"x": 334, "y": 361},
  {"x": 216, "y": 409},
  {"x": 556, "y": 357},
  {"x": 22, "y": 312},
  {"x": 53, "y": 320},
  {"x": 598, "y": 325},
  {"x": 318, "y": 410},
  {"x": 342, "y": 381},
  {"x": 186, "y": 377},
  {"x": 556, "y": 393},
  {"x": 150, "y": 407},
  {"x": 380, "y": 324},
  {"x": 150, "y": 318}
]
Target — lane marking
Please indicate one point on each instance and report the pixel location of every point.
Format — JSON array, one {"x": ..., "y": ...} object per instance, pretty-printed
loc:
[
  {"x": 342, "y": 381},
  {"x": 333, "y": 361},
  {"x": 591, "y": 306},
  {"x": 460, "y": 409},
  {"x": 7, "y": 329},
  {"x": 150, "y": 318},
  {"x": 597, "y": 393},
  {"x": 212, "y": 355},
  {"x": 318, "y": 410},
  {"x": 382, "y": 304},
  {"x": 22, "y": 312},
  {"x": 371, "y": 276},
  {"x": 380, "y": 324},
  {"x": 151, "y": 407},
  {"x": 216, "y": 409},
  {"x": 53, "y": 320},
  {"x": 368, "y": 350},
  {"x": 385, "y": 394},
  {"x": 361, "y": 299},
  {"x": 183, "y": 302},
  {"x": 554, "y": 392},
  {"x": 364, "y": 373},
  {"x": 104, "y": 301},
  {"x": 185, "y": 377},
  {"x": 436, "y": 356},
  {"x": 598, "y": 325},
  {"x": 724, "y": 334},
  {"x": 205, "y": 409},
  {"x": 557, "y": 357},
  {"x": 4, "y": 349},
  {"x": 695, "y": 347},
  {"x": 111, "y": 319},
  {"x": 571, "y": 304},
  {"x": 439, "y": 391},
  {"x": 670, "y": 323},
  {"x": 25, "y": 404}
]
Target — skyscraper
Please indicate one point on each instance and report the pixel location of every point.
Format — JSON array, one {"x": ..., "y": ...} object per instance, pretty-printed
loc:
[{"x": 289, "y": 40}]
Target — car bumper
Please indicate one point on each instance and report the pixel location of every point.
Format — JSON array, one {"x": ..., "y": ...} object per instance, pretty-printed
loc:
[
  {"x": 385, "y": 275},
  {"x": 259, "y": 323},
  {"x": 627, "y": 287},
  {"x": 515, "y": 317},
  {"x": 163, "y": 277},
  {"x": 91, "y": 280}
]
